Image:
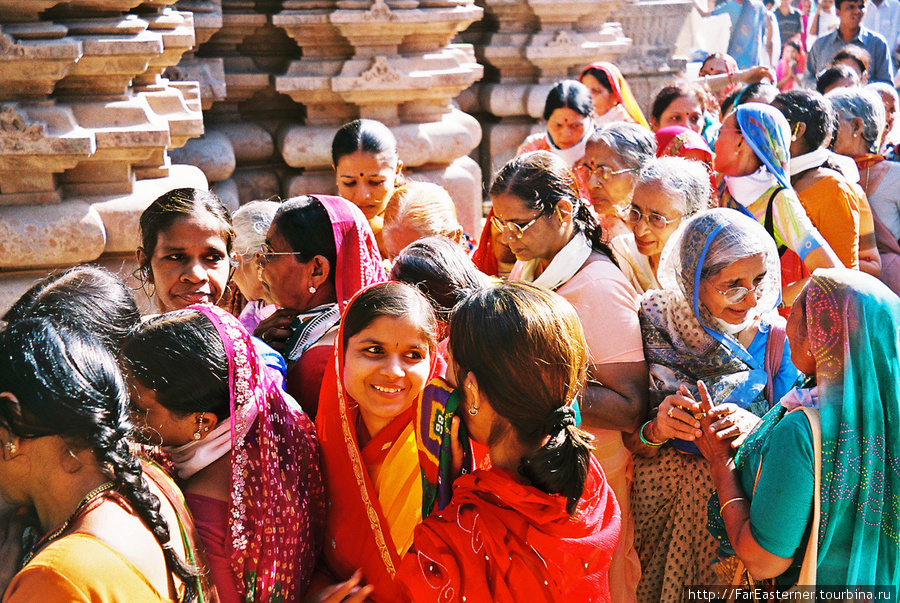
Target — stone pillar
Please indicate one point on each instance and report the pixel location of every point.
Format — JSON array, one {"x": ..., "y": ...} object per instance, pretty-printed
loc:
[
  {"x": 86, "y": 124},
  {"x": 654, "y": 26},
  {"x": 387, "y": 60}
]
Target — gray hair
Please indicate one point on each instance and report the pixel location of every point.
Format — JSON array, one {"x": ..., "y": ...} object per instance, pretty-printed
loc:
[
  {"x": 850, "y": 103},
  {"x": 634, "y": 144},
  {"x": 680, "y": 178},
  {"x": 884, "y": 88},
  {"x": 251, "y": 223}
]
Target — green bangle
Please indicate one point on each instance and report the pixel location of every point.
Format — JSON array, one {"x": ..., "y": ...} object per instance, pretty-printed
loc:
[{"x": 647, "y": 442}]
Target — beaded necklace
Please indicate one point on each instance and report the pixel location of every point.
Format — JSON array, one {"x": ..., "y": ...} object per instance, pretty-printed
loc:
[{"x": 90, "y": 502}]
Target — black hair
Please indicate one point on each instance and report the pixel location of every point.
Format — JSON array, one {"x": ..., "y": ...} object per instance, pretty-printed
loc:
[
  {"x": 811, "y": 108},
  {"x": 541, "y": 180},
  {"x": 441, "y": 270},
  {"x": 89, "y": 297},
  {"x": 305, "y": 225},
  {"x": 569, "y": 94},
  {"x": 672, "y": 92},
  {"x": 759, "y": 92},
  {"x": 526, "y": 348},
  {"x": 167, "y": 208},
  {"x": 365, "y": 135},
  {"x": 180, "y": 356},
  {"x": 729, "y": 103},
  {"x": 392, "y": 299},
  {"x": 68, "y": 384},
  {"x": 832, "y": 75},
  {"x": 599, "y": 75},
  {"x": 858, "y": 55}
]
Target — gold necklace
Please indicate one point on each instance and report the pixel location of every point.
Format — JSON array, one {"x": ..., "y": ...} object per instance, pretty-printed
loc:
[{"x": 89, "y": 498}]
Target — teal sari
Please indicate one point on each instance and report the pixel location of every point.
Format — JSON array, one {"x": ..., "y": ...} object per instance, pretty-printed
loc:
[{"x": 853, "y": 322}]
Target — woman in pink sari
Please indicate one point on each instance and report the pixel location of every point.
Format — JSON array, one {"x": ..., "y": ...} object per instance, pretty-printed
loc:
[{"x": 246, "y": 455}]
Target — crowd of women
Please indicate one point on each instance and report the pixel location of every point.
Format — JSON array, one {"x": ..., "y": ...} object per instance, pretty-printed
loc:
[{"x": 660, "y": 367}]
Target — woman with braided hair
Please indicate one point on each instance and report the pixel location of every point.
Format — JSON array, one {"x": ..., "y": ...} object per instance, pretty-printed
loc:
[
  {"x": 66, "y": 454},
  {"x": 542, "y": 523}
]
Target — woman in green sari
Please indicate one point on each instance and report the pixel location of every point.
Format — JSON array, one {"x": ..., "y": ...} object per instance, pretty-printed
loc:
[{"x": 844, "y": 336}]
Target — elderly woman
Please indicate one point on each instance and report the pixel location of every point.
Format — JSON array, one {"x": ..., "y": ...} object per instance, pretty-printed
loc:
[
  {"x": 319, "y": 252},
  {"x": 417, "y": 210},
  {"x": 613, "y": 157},
  {"x": 752, "y": 153},
  {"x": 713, "y": 319},
  {"x": 860, "y": 123},
  {"x": 543, "y": 518},
  {"x": 558, "y": 245},
  {"x": 668, "y": 191},
  {"x": 251, "y": 223},
  {"x": 811, "y": 497}
]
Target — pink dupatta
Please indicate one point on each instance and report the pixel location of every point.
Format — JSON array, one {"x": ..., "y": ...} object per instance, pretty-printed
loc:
[{"x": 277, "y": 501}]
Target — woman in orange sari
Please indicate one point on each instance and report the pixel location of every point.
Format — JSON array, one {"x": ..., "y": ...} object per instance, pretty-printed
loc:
[{"x": 384, "y": 357}]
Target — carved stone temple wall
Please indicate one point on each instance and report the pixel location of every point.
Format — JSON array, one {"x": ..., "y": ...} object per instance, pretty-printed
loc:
[
  {"x": 529, "y": 45},
  {"x": 86, "y": 126},
  {"x": 284, "y": 76},
  {"x": 106, "y": 104}
]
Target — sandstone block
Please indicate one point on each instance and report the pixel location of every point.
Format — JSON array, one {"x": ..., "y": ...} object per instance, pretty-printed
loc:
[{"x": 57, "y": 235}]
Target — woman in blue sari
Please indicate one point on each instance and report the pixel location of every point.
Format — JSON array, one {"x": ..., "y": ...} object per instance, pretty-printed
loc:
[
  {"x": 844, "y": 332},
  {"x": 714, "y": 320}
]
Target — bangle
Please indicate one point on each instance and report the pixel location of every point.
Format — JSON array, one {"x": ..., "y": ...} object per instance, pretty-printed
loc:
[
  {"x": 647, "y": 442},
  {"x": 731, "y": 78},
  {"x": 728, "y": 502}
]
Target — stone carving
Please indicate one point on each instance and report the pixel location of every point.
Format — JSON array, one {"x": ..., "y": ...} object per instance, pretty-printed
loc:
[
  {"x": 562, "y": 38},
  {"x": 380, "y": 11},
  {"x": 14, "y": 125},
  {"x": 381, "y": 73},
  {"x": 9, "y": 48}
]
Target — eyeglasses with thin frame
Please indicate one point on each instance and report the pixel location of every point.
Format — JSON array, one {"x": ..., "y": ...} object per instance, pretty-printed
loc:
[
  {"x": 517, "y": 229},
  {"x": 633, "y": 215},
  {"x": 603, "y": 172},
  {"x": 266, "y": 253},
  {"x": 735, "y": 295}
]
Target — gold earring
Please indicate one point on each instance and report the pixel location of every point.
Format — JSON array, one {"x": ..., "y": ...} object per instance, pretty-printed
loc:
[
  {"x": 197, "y": 434},
  {"x": 473, "y": 410},
  {"x": 11, "y": 448}
]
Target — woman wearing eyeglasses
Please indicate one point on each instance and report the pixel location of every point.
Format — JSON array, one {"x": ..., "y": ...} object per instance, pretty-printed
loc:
[
  {"x": 668, "y": 190},
  {"x": 714, "y": 319},
  {"x": 612, "y": 158},
  {"x": 319, "y": 252},
  {"x": 558, "y": 244},
  {"x": 753, "y": 155}
]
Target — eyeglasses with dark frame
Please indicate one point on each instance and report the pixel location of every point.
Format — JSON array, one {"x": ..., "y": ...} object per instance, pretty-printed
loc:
[{"x": 517, "y": 229}]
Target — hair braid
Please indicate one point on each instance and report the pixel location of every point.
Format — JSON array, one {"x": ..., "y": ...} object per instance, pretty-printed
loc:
[{"x": 113, "y": 448}]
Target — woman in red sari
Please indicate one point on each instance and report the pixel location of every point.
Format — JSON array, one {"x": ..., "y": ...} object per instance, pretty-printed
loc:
[
  {"x": 542, "y": 523},
  {"x": 384, "y": 357}
]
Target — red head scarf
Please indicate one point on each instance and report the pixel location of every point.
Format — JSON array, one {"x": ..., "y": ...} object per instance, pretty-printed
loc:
[{"x": 277, "y": 500}]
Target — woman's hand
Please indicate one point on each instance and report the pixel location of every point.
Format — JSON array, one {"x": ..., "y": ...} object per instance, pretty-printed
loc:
[
  {"x": 731, "y": 422},
  {"x": 343, "y": 592},
  {"x": 716, "y": 450},
  {"x": 675, "y": 418},
  {"x": 759, "y": 73},
  {"x": 276, "y": 329}
]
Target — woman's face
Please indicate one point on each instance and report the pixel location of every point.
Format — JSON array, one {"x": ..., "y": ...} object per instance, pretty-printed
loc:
[
  {"x": 683, "y": 111},
  {"x": 847, "y": 139},
  {"x": 156, "y": 424},
  {"x": 733, "y": 156},
  {"x": 566, "y": 127},
  {"x": 386, "y": 366},
  {"x": 190, "y": 264},
  {"x": 603, "y": 98},
  {"x": 613, "y": 194},
  {"x": 541, "y": 240},
  {"x": 714, "y": 66},
  {"x": 285, "y": 279},
  {"x": 502, "y": 252},
  {"x": 367, "y": 180},
  {"x": 246, "y": 277},
  {"x": 801, "y": 354},
  {"x": 650, "y": 199},
  {"x": 747, "y": 272}
]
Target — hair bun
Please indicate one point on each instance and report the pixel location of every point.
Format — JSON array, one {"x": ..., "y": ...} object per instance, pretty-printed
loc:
[{"x": 562, "y": 417}]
